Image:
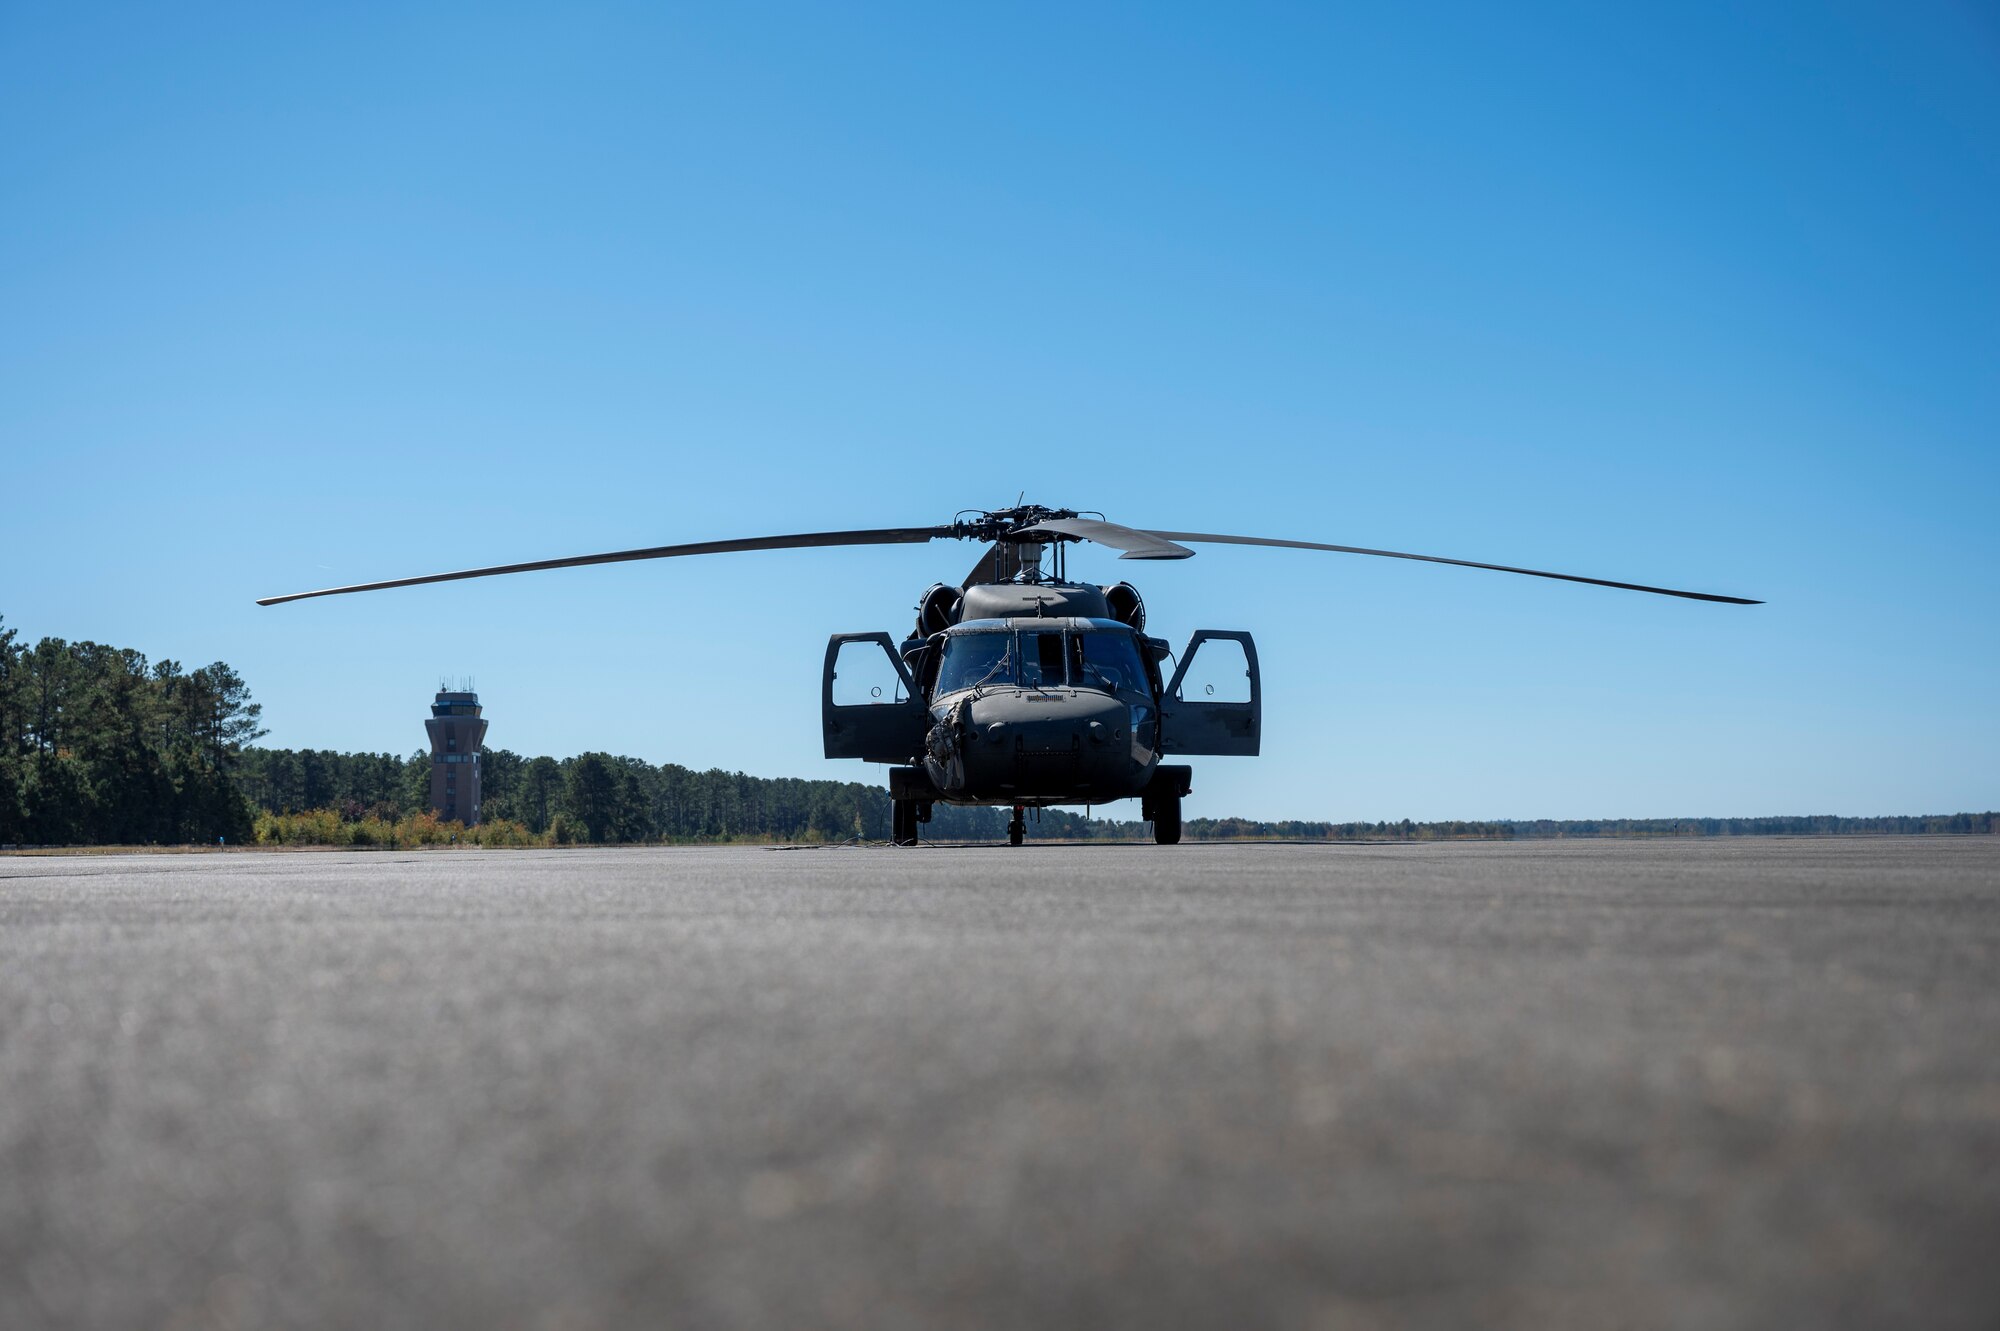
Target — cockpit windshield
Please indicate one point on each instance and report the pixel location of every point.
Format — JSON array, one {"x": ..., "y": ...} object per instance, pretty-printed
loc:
[
  {"x": 1105, "y": 659},
  {"x": 973, "y": 659}
]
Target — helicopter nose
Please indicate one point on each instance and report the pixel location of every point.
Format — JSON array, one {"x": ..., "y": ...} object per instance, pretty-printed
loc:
[{"x": 1050, "y": 743}]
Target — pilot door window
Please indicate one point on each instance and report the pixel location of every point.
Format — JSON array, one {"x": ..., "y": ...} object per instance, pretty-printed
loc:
[
  {"x": 1219, "y": 671},
  {"x": 864, "y": 675}
]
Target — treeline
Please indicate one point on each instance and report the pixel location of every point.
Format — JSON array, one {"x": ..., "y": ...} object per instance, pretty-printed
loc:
[
  {"x": 99, "y": 746},
  {"x": 1939, "y": 824},
  {"x": 598, "y": 798},
  {"x": 1244, "y": 829},
  {"x": 352, "y": 785}
]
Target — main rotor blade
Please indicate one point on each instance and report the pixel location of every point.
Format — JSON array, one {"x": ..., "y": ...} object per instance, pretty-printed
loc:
[
  {"x": 880, "y": 536},
  {"x": 1439, "y": 559},
  {"x": 986, "y": 570},
  {"x": 1135, "y": 543}
]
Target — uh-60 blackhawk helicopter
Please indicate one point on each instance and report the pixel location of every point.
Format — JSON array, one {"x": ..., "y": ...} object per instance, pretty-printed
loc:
[{"x": 1021, "y": 688}]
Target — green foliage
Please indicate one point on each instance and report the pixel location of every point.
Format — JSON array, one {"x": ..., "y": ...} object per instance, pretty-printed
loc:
[
  {"x": 353, "y": 783},
  {"x": 326, "y": 827},
  {"x": 594, "y": 796},
  {"x": 417, "y": 780},
  {"x": 600, "y": 799},
  {"x": 97, "y": 746}
]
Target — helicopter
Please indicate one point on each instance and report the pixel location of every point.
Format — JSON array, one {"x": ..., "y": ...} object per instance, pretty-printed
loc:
[{"x": 1018, "y": 687}]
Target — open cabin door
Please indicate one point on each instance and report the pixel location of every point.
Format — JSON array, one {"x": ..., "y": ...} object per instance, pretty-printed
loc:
[
  {"x": 1215, "y": 703},
  {"x": 868, "y": 703}
]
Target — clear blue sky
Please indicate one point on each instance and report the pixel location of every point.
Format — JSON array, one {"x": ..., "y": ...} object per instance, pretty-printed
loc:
[{"x": 1678, "y": 294}]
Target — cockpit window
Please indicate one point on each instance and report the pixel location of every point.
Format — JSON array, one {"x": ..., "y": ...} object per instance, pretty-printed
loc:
[
  {"x": 1108, "y": 660},
  {"x": 1042, "y": 659},
  {"x": 972, "y": 659}
]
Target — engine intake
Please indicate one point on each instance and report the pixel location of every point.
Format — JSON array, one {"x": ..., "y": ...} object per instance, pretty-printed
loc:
[
  {"x": 1126, "y": 605},
  {"x": 937, "y": 609}
]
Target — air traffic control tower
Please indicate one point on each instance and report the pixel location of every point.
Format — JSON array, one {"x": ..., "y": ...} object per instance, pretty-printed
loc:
[{"x": 456, "y": 732}]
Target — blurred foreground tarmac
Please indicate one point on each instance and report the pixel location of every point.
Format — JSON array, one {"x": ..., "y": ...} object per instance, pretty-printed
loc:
[{"x": 1551, "y": 1084}]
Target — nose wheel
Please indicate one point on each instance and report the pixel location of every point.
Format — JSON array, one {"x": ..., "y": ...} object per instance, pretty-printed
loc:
[
  {"x": 903, "y": 822},
  {"x": 1017, "y": 827}
]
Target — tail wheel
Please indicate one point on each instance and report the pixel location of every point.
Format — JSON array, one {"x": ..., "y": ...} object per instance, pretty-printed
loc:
[
  {"x": 1167, "y": 821},
  {"x": 1017, "y": 827},
  {"x": 903, "y": 822}
]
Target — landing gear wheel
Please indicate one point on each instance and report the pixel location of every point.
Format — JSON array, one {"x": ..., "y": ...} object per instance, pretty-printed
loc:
[
  {"x": 1017, "y": 828},
  {"x": 903, "y": 822},
  {"x": 1167, "y": 821}
]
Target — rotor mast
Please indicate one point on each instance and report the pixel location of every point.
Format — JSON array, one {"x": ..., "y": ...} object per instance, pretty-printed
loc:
[{"x": 1017, "y": 552}]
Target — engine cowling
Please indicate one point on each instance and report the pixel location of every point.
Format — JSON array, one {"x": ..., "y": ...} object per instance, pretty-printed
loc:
[
  {"x": 937, "y": 608},
  {"x": 1127, "y": 607}
]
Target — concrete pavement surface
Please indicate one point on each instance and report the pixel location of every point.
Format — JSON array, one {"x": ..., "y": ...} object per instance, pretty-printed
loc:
[{"x": 1702, "y": 1084}]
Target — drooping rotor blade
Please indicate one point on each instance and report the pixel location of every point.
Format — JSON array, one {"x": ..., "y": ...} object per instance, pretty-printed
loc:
[
  {"x": 986, "y": 570},
  {"x": 1439, "y": 559},
  {"x": 1134, "y": 543},
  {"x": 880, "y": 536}
]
